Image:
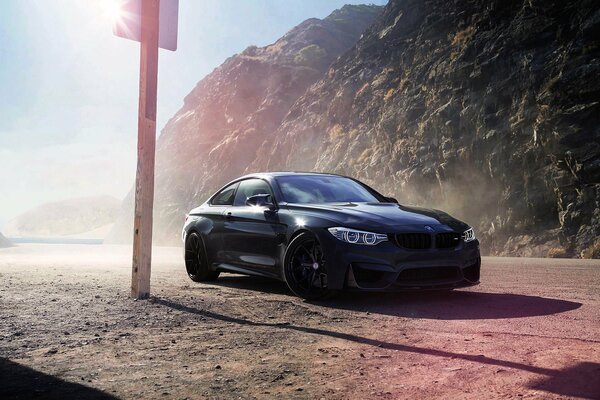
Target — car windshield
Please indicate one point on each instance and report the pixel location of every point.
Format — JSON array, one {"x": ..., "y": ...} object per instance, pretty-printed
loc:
[{"x": 323, "y": 189}]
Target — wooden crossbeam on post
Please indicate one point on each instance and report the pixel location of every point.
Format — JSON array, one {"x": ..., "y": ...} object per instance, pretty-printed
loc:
[{"x": 144, "y": 180}]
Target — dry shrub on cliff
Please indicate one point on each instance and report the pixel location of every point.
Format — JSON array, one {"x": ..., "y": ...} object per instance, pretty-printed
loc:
[
  {"x": 593, "y": 251},
  {"x": 557, "y": 252},
  {"x": 336, "y": 132},
  {"x": 460, "y": 40},
  {"x": 462, "y": 37},
  {"x": 388, "y": 94}
]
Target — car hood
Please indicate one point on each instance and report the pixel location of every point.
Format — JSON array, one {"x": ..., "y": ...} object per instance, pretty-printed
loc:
[{"x": 389, "y": 216}]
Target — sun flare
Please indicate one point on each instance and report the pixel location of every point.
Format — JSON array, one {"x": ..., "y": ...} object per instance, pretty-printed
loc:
[{"x": 112, "y": 9}]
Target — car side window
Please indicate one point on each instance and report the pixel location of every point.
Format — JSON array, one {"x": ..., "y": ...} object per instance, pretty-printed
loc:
[
  {"x": 250, "y": 187},
  {"x": 225, "y": 196}
]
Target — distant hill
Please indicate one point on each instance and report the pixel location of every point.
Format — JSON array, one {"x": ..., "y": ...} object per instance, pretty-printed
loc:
[
  {"x": 67, "y": 217},
  {"x": 4, "y": 242}
]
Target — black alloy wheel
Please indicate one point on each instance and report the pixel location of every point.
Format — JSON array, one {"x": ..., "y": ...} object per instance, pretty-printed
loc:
[
  {"x": 195, "y": 260},
  {"x": 304, "y": 268}
]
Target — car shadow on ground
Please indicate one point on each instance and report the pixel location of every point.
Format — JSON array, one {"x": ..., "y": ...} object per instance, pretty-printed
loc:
[
  {"x": 466, "y": 304},
  {"x": 20, "y": 382},
  {"x": 566, "y": 382}
]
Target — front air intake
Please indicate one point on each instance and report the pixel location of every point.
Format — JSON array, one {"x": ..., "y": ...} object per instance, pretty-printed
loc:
[
  {"x": 414, "y": 241},
  {"x": 428, "y": 275},
  {"x": 447, "y": 240}
]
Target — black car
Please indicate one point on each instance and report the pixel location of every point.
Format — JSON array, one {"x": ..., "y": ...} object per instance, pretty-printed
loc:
[{"x": 321, "y": 233}]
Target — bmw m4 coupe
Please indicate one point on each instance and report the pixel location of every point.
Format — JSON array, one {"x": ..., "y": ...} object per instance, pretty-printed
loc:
[{"x": 322, "y": 233}]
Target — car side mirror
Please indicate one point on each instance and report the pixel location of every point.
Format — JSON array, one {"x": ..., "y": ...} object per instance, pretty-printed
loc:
[
  {"x": 391, "y": 200},
  {"x": 261, "y": 200}
]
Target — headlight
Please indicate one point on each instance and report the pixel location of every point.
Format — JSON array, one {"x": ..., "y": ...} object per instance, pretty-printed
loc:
[
  {"x": 468, "y": 235},
  {"x": 358, "y": 237}
]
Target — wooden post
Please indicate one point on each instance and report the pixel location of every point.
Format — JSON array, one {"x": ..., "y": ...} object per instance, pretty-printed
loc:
[{"x": 144, "y": 180}]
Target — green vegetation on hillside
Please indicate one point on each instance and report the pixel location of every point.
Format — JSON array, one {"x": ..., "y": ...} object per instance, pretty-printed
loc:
[{"x": 310, "y": 56}]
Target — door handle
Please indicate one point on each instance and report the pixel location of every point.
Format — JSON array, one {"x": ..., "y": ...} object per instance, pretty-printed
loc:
[{"x": 228, "y": 215}]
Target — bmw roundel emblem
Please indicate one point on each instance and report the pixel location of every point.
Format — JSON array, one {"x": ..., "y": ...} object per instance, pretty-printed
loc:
[{"x": 428, "y": 228}]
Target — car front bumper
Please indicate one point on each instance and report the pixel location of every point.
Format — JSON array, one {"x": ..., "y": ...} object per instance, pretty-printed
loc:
[{"x": 388, "y": 267}]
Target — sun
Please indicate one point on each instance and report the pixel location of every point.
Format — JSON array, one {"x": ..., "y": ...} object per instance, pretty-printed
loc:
[{"x": 112, "y": 10}]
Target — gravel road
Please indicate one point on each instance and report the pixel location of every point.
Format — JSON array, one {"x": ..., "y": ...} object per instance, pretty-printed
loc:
[{"x": 69, "y": 330}]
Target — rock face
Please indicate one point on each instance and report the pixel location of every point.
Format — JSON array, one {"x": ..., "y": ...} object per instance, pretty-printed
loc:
[
  {"x": 67, "y": 217},
  {"x": 4, "y": 242},
  {"x": 230, "y": 113},
  {"x": 486, "y": 109},
  {"x": 489, "y": 110}
]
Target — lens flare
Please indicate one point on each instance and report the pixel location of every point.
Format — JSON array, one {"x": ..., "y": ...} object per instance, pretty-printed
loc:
[{"x": 112, "y": 10}]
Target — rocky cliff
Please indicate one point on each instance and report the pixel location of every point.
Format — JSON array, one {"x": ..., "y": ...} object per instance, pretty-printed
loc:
[
  {"x": 486, "y": 109},
  {"x": 230, "y": 113}
]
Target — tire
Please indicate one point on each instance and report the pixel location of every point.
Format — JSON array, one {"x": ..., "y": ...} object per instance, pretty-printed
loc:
[
  {"x": 196, "y": 263},
  {"x": 304, "y": 268}
]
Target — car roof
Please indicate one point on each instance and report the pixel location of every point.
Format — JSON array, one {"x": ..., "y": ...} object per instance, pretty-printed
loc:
[
  {"x": 271, "y": 175},
  {"x": 284, "y": 173}
]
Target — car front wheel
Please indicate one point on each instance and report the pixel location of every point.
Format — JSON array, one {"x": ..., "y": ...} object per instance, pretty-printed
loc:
[{"x": 304, "y": 268}]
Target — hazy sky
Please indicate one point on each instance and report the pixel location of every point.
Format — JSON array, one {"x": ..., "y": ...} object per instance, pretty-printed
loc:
[{"x": 68, "y": 87}]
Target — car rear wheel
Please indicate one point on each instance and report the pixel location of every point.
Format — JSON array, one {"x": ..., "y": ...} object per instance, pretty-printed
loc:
[
  {"x": 196, "y": 263},
  {"x": 304, "y": 268}
]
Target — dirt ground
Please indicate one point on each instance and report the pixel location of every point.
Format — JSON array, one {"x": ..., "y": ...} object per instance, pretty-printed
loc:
[{"x": 69, "y": 330}]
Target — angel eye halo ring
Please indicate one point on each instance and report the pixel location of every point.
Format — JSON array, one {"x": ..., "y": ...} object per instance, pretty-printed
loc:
[{"x": 354, "y": 236}]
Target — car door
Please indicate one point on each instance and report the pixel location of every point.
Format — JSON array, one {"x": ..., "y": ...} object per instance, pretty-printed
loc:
[
  {"x": 252, "y": 235},
  {"x": 215, "y": 213}
]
